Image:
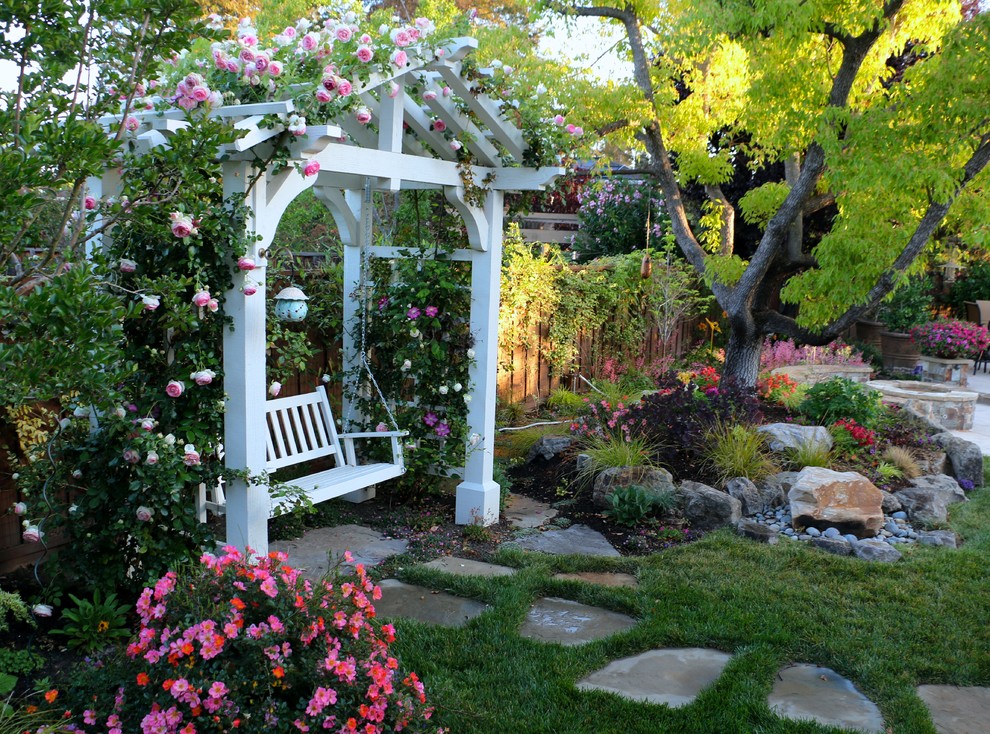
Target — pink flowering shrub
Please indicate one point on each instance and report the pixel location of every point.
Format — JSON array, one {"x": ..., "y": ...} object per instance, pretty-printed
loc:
[
  {"x": 234, "y": 645},
  {"x": 784, "y": 352},
  {"x": 951, "y": 339}
]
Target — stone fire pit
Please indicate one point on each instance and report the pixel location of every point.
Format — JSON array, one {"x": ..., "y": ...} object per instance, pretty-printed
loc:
[{"x": 949, "y": 407}]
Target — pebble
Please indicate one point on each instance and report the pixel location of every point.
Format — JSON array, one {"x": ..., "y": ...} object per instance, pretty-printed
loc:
[
  {"x": 851, "y": 538},
  {"x": 789, "y": 531},
  {"x": 902, "y": 533},
  {"x": 831, "y": 533},
  {"x": 775, "y": 526},
  {"x": 891, "y": 526},
  {"x": 804, "y": 536},
  {"x": 813, "y": 532},
  {"x": 901, "y": 515}
]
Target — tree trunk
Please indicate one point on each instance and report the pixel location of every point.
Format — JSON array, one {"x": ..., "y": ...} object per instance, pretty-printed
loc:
[{"x": 742, "y": 355}]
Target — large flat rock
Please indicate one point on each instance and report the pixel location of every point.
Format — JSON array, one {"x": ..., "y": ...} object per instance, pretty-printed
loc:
[
  {"x": 314, "y": 551},
  {"x": 525, "y": 512},
  {"x": 571, "y": 623},
  {"x": 577, "y": 539},
  {"x": 958, "y": 710},
  {"x": 822, "y": 695},
  {"x": 673, "y": 676},
  {"x": 418, "y": 602},
  {"x": 467, "y": 567}
]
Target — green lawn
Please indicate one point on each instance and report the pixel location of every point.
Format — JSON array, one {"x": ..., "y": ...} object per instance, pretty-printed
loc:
[{"x": 888, "y": 628}]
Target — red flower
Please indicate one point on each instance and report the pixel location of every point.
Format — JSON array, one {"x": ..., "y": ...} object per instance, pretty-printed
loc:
[{"x": 142, "y": 679}]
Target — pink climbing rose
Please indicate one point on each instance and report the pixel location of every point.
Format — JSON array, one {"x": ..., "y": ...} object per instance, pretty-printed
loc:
[
  {"x": 127, "y": 266},
  {"x": 183, "y": 225},
  {"x": 249, "y": 289},
  {"x": 312, "y": 168},
  {"x": 439, "y": 125},
  {"x": 144, "y": 513},
  {"x": 150, "y": 302},
  {"x": 364, "y": 54},
  {"x": 89, "y": 202},
  {"x": 245, "y": 263},
  {"x": 201, "y": 298},
  {"x": 175, "y": 388},
  {"x": 363, "y": 115}
]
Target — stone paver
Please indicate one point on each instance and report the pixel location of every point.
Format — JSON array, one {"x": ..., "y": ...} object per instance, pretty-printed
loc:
[
  {"x": 467, "y": 567},
  {"x": 601, "y": 578},
  {"x": 525, "y": 512},
  {"x": 418, "y": 602},
  {"x": 673, "y": 676},
  {"x": 311, "y": 552},
  {"x": 810, "y": 692},
  {"x": 571, "y": 623},
  {"x": 958, "y": 710},
  {"x": 576, "y": 539}
]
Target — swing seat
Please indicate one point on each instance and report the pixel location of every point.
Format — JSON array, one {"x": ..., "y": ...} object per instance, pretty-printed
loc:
[{"x": 301, "y": 428}]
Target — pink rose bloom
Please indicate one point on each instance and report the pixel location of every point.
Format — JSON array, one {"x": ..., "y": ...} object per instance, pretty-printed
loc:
[
  {"x": 247, "y": 55},
  {"x": 364, "y": 54},
  {"x": 309, "y": 41},
  {"x": 200, "y": 94},
  {"x": 20, "y": 508},
  {"x": 558, "y": 120},
  {"x": 344, "y": 88},
  {"x": 455, "y": 145},
  {"x": 245, "y": 263},
  {"x": 381, "y": 428},
  {"x": 131, "y": 456},
  {"x": 213, "y": 305},
  {"x": 249, "y": 289},
  {"x": 249, "y": 39},
  {"x": 261, "y": 62},
  {"x": 424, "y": 23},
  {"x": 201, "y": 298},
  {"x": 89, "y": 203},
  {"x": 44, "y": 610},
  {"x": 182, "y": 224},
  {"x": 343, "y": 33},
  {"x": 203, "y": 377},
  {"x": 274, "y": 389},
  {"x": 571, "y": 127},
  {"x": 322, "y": 95},
  {"x": 148, "y": 424},
  {"x": 275, "y": 68},
  {"x": 365, "y": 38},
  {"x": 131, "y": 123},
  {"x": 152, "y": 458},
  {"x": 363, "y": 115},
  {"x": 578, "y": 130},
  {"x": 127, "y": 266},
  {"x": 233, "y": 66},
  {"x": 289, "y": 32},
  {"x": 144, "y": 513},
  {"x": 393, "y": 90},
  {"x": 312, "y": 168},
  {"x": 402, "y": 38},
  {"x": 150, "y": 302},
  {"x": 191, "y": 457},
  {"x": 32, "y": 534},
  {"x": 399, "y": 59},
  {"x": 446, "y": 91},
  {"x": 428, "y": 96},
  {"x": 439, "y": 125},
  {"x": 175, "y": 388}
]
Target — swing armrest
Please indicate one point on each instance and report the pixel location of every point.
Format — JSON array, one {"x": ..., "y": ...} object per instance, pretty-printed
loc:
[{"x": 348, "y": 440}]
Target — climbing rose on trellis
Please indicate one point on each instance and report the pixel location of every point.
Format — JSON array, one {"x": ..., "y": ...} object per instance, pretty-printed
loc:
[{"x": 251, "y": 646}]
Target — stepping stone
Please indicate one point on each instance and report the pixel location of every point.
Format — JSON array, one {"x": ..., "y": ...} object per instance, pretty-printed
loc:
[
  {"x": 576, "y": 539},
  {"x": 466, "y": 567},
  {"x": 418, "y": 602},
  {"x": 310, "y": 553},
  {"x": 600, "y": 578},
  {"x": 822, "y": 695},
  {"x": 571, "y": 623},
  {"x": 957, "y": 710},
  {"x": 524, "y": 512},
  {"x": 673, "y": 676}
]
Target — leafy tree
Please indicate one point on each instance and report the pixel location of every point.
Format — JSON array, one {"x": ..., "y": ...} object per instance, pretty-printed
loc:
[{"x": 874, "y": 114}]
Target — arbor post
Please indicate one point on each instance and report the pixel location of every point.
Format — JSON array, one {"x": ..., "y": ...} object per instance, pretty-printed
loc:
[{"x": 478, "y": 495}]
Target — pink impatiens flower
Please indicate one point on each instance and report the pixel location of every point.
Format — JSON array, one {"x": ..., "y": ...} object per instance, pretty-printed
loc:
[{"x": 413, "y": 313}]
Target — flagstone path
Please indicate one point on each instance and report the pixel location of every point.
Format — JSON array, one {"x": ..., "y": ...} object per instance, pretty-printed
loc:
[{"x": 672, "y": 676}]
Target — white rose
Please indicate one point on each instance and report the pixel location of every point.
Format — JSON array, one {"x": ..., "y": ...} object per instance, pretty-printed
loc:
[
  {"x": 470, "y": 354},
  {"x": 467, "y": 398},
  {"x": 444, "y": 389},
  {"x": 457, "y": 387},
  {"x": 406, "y": 365},
  {"x": 169, "y": 439},
  {"x": 42, "y": 610}
]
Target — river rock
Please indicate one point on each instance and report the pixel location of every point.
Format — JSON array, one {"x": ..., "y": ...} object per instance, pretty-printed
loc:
[
  {"x": 652, "y": 479},
  {"x": 965, "y": 459},
  {"x": 876, "y": 550},
  {"x": 927, "y": 499},
  {"x": 705, "y": 508},
  {"x": 944, "y": 538},
  {"x": 547, "y": 447},
  {"x": 786, "y": 436},
  {"x": 890, "y": 503},
  {"x": 836, "y": 546},
  {"x": 748, "y": 494},
  {"x": 758, "y": 532},
  {"x": 848, "y": 501}
]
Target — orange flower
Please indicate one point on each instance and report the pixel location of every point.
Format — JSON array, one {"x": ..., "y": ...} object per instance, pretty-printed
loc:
[
  {"x": 30, "y": 709},
  {"x": 187, "y": 648},
  {"x": 279, "y": 672},
  {"x": 51, "y": 695},
  {"x": 142, "y": 679},
  {"x": 167, "y": 685},
  {"x": 237, "y": 603}
]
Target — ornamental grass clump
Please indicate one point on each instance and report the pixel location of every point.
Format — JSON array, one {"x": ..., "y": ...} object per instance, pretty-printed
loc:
[
  {"x": 252, "y": 646},
  {"x": 951, "y": 339}
]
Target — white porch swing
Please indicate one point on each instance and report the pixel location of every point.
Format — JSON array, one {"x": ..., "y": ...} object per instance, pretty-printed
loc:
[{"x": 262, "y": 435}]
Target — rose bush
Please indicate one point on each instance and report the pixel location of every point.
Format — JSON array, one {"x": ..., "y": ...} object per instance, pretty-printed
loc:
[{"x": 232, "y": 644}]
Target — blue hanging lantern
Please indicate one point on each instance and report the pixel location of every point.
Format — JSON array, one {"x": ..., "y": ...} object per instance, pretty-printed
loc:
[{"x": 290, "y": 305}]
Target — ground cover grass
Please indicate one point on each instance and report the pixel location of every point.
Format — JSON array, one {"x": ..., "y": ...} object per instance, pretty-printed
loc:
[{"x": 886, "y": 627}]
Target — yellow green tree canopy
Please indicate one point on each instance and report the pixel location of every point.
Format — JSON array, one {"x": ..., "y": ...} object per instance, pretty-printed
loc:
[{"x": 875, "y": 115}]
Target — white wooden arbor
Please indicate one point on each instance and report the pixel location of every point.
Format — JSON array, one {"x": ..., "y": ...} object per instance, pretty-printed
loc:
[{"x": 352, "y": 156}]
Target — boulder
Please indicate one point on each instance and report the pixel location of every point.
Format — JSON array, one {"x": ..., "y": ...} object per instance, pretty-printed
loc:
[
  {"x": 876, "y": 550},
  {"x": 937, "y": 463},
  {"x": 786, "y": 436},
  {"x": 943, "y": 538},
  {"x": 757, "y": 531},
  {"x": 835, "y": 546},
  {"x": 547, "y": 447},
  {"x": 774, "y": 488},
  {"x": 822, "y": 498},
  {"x": 927, "y": 499},
  {"x": 890, "y": 503},
  {"x": 965, "y": 459},
  {"x": 705, "y": 508},
  {"x": 652, "y": 479},
  {"x": 748, "y": 495}
]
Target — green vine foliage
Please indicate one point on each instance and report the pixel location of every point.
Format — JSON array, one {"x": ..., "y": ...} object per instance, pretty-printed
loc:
[{"x": 420, "y": 340}]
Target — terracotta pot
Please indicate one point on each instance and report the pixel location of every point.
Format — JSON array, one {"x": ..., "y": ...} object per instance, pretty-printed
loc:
[{"x": 900, "y": 353}]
